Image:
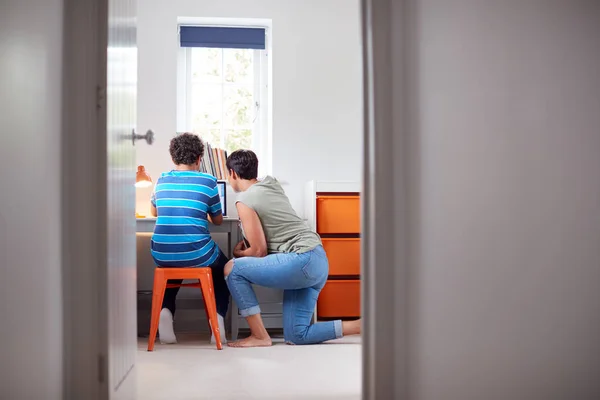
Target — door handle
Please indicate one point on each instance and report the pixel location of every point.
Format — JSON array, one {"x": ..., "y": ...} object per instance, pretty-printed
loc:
[{"x": 149, "y": 136}]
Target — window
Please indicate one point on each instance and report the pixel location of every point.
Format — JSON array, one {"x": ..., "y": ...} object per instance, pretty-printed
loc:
[{"x": 223, "y": 94}]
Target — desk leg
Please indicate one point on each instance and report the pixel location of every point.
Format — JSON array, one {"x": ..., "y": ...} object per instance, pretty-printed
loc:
[
  {"x": 229, "y": 245},
  {"x": 234, "y": 238},
  {"x": 235, "y": 321},
  {"x": 229, "y": 255}
]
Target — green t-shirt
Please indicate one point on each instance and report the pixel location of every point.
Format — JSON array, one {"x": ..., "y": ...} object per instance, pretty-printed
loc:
[{"x": 285, "y": 231}]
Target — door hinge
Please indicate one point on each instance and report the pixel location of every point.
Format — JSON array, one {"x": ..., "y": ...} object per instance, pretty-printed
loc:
[
  {"x": 101, "y": 368},
  {"x": 100, "y": 96}
]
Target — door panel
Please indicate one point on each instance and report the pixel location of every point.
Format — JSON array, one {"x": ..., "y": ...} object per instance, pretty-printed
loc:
[{"x": 121, "y": 92}]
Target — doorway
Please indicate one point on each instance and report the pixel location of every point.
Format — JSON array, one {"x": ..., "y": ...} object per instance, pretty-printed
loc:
[{"x": 312, "y": 119}]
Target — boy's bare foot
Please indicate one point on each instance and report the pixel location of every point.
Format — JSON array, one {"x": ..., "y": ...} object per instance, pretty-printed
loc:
[{"x": 252, "y": 341}]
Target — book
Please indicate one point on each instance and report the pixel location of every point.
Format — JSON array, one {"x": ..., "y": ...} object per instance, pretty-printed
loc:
[
  {"x": 222, "y": 169},
  {"x": 217, "y": 165},
  {"x": 214, "y": 162}
]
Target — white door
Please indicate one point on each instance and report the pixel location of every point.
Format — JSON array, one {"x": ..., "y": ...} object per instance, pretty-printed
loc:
[
  {"x": 98, "y": 219},
  {"x": 98, "y": 158},
  {"x": 120, "y": 297}
]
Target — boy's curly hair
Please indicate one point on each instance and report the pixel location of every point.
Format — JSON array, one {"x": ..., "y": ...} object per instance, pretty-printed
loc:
[{"x": 186, "y": 148}]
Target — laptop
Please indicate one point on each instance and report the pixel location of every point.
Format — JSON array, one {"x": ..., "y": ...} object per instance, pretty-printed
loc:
[{"x": 222, "y": 186}]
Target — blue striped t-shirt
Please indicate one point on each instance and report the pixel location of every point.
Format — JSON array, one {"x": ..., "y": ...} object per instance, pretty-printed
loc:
[{"x": 181, "y": 237}]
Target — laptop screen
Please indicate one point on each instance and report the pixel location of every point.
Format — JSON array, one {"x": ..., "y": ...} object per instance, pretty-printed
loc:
[{"x": 222, "y": 186}]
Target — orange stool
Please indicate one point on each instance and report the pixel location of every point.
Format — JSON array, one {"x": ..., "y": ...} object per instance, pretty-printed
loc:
[{"x": 204, "y": 276}]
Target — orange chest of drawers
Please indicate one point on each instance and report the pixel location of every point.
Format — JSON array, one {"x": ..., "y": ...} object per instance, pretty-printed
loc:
[{"x": 338, "y": 223}]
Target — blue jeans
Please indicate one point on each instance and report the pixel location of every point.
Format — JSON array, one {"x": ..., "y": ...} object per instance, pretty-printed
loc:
[{"x": 301, "y": 276}]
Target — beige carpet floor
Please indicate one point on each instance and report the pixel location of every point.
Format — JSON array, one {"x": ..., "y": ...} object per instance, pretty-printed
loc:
[{"x": 194, "y": 369}]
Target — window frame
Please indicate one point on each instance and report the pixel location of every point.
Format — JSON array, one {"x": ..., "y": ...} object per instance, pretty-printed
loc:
[{"x": 261, "y": 95}]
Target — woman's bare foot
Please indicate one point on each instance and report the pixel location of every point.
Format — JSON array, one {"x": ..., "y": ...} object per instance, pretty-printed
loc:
[
  {"x": 252, "y": 341},
  {"x": 259, "y": 337},
  {"x": 351, "y": 327}
]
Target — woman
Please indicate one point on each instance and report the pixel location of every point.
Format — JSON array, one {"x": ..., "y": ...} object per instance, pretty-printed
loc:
[
  {"x": 281, "y": 252},
  {"x": 184, "y": 201}
]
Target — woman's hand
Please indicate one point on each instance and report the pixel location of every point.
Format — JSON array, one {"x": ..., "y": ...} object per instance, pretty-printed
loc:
[{"x": 238, "y": 249}]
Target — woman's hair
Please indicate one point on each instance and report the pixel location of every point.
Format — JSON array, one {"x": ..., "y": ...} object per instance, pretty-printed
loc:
[
  {"x": 186, "y": 149},
  {"x": 244, "y": 163}
]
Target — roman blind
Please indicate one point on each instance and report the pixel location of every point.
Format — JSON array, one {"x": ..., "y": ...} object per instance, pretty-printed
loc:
[{"x": 222, "y": 37}]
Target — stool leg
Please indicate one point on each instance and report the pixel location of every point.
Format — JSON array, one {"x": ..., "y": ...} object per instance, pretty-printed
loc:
[
  {"x": 158, "y": 293},
  {"x": 205, "y": 307},
  {"x": 211, "y": 305}
]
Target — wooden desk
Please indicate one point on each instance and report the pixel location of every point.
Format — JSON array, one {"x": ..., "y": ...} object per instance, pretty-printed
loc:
[{"x": 230, "y": 226}]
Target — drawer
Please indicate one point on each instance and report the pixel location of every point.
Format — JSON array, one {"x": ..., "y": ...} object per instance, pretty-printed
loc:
[
  {"x": 339, "y": 299},
  {"x": 338, "y": 214},
  {"x": 343, "y": 255}
]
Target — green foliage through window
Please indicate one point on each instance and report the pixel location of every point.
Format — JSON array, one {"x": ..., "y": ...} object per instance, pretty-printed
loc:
[{"x": 223, "y": 106}]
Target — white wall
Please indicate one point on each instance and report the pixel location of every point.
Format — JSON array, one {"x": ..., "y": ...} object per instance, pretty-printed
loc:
[
  {"x": 504, "y": 123},
  {"x": 317, "y": 98},
  {"x": 30, "y": 227}
]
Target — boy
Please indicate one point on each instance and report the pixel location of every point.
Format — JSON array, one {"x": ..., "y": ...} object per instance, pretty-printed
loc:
[{"x": 184, "y": 201}]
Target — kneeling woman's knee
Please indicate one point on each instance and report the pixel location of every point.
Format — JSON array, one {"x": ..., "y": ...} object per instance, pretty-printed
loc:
[
  {"x": 297, "y": 335},
  {"x": 228, "y": 267}
]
